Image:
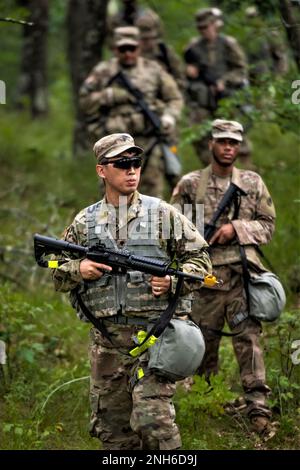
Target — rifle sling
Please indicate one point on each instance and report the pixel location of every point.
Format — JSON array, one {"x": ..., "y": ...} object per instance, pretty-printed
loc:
[
  {"x": 98, "y": 324},
  {"x": 158, "y": 327}
]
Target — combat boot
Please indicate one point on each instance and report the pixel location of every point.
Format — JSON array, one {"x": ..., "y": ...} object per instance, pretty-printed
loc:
[
  {"x": 238, "y": 406},
  {"x": 263, "y": 426}
]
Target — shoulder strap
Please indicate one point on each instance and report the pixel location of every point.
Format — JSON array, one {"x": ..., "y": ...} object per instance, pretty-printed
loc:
[{"x": 202, "y": 186}]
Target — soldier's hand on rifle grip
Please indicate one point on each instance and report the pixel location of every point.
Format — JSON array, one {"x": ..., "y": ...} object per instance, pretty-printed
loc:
[
  {"x": 91, "y": 271},
  {"x": 223, "y": 235},
  {"x": 160, "y": 285}
]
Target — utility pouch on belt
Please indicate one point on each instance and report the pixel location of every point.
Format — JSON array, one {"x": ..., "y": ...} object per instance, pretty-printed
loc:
[{"x": 178, "y": 352}]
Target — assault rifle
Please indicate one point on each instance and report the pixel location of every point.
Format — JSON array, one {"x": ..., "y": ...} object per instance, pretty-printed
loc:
[
  {"x": 232, "y": 194},
  {"x": 171, "y": 160},
  {"x": 120, "y": 260}
]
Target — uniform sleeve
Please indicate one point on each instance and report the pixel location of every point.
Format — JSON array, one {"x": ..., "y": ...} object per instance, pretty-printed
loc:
[
  {"x": 237, "y": 63},
  {"x": 68, "y": 276},
  {"x": 259, "y": 230},
  {"x": 181, "y": 194},
  {"x": 187, "y": 247},
  {"x": 93, "y": 92},
  {"x": 170, "y": 94}
]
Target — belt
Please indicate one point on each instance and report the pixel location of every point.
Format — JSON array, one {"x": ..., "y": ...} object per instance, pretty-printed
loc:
[{"x": 122, "y": 320}]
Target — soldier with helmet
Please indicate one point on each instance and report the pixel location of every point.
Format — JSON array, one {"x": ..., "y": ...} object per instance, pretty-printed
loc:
[
  {"x": 153, "y": 47},
  {"x": 215, "y": 67},
  {"x": 246, "y": 224},
  {"x": 265, "y": 49},
  {"x": 109, "y": 107},
  {"x": 131, "y": 405}
]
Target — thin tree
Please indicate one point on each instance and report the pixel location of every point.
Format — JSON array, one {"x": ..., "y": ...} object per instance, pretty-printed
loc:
[{"x": 86, "y": 26}]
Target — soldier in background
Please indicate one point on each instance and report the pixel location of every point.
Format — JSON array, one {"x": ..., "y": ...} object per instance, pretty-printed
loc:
[
  {"x": 110, "y": 108},
  {"x": 153, "y": 47},
  {"x": 248, "y": 224},
  {"x": 32, "y": 83},
  {"x": 265, "y": 48},
  {"x": 215, "y": 68}
]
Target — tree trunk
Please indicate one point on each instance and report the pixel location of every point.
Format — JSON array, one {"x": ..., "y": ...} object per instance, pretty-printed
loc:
[
  {"x": 291, "y": 23},
  {"x": 33, "y": 74},
  {"x": 86, "y": 26}
]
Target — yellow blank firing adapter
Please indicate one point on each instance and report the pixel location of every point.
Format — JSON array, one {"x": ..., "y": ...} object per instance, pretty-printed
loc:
[
  {"x": 211, "y": 281},
  {"x": 53, "y": 264}
]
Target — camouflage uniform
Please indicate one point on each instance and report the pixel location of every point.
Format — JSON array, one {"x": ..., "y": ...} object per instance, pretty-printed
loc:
[
  {"x": 222, "y": 59},
  {"x": 127, "y": 414},
  {"x": 110, "y": 108},
  {"x": 150, "y": 27},
  {"x": 254, "y": 226},
  {"x": 265, "y": 49}
]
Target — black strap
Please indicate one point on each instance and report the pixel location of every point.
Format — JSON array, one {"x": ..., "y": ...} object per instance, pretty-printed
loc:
[
  {"x": 163, "y": 321},
  {"x": 246, "y": 275},
  {"x": 158, "y": 327},
  {"x": 98, "y": 324},
  {"x": 268, "y": 262}
]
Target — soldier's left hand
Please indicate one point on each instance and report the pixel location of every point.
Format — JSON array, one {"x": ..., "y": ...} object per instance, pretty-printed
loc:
[
  {"x": 167, "y": 123},
  {"x": 160, "y": 285},
  {"x": 223, "y": 235}
]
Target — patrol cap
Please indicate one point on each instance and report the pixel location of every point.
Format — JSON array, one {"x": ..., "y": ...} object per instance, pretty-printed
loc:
[
  {"x": 227, "y": 129},
  {"x": 114, "y": 144},
  {"x": 205, "y": 16},
  {"x": 126, "y": 35}
]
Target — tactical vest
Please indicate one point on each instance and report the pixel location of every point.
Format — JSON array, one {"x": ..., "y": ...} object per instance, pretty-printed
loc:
[{"x": 131, "y": 293}]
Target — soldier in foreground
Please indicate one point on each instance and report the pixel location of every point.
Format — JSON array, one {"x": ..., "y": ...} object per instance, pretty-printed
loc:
[
  {"x": 129, "y": 411},
  {"x": 248, "y": 223},
  {"x": 109, "y": 107}
]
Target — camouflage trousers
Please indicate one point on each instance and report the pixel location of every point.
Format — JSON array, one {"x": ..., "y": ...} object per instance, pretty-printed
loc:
[
  {"x": 125, "y": 417},
  {"x": 211, "y": 309}
]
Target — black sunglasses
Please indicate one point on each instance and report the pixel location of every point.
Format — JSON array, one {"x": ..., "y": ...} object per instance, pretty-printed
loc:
[
  {"x": 126, "y": 163},
  {"x": 126, "y": 48}
]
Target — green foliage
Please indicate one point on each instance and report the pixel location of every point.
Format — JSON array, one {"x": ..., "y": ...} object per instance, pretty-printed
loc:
[{"x": 204, "y": 398}]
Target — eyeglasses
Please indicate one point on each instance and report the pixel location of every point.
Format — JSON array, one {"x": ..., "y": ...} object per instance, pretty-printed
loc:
[
  {"x": 125, "y": 163},
  {"x": 127, "y": 47}
]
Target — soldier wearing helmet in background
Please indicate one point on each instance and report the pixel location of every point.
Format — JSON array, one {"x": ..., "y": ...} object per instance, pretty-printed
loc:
[
  {"x": 264, "y": 47},
  {"x": 215, "y": 68},
  {"x": 153, "y": 47},
  {"x": 109, "y": 107}
]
